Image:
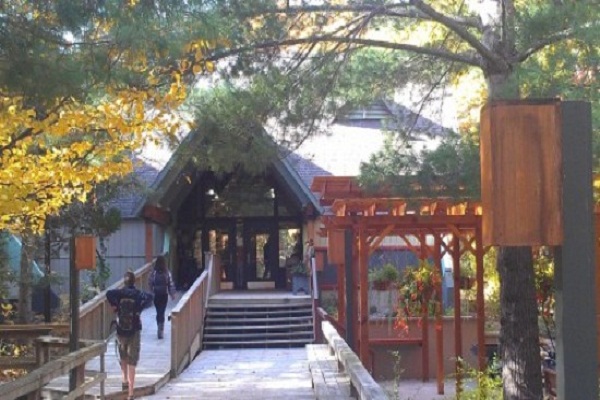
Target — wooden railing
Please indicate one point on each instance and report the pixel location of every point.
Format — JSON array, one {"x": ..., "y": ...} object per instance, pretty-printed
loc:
[
  {"x": 28, "y": 333},
  {"x": 362, "y": 384},
  {"x": 214, "y": 274},
  {"x": 30, "y": 384},
  {"x": 96, "y": 315},
  {"x": 187, "y": 320}
]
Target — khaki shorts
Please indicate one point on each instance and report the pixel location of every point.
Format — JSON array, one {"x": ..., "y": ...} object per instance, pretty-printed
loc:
[{"x": 129, "y": 348}]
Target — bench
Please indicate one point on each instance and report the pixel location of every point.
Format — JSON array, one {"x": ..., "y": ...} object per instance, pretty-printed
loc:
[{"x": 327, "y": 381}]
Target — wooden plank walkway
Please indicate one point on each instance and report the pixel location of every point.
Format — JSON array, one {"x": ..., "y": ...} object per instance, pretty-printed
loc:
[
  {"x": 243, "y": 374},
  {"x": 153, "y": 368}
]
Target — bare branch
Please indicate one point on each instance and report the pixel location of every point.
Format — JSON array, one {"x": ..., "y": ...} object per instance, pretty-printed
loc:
[
  {"x": 460, "y": 30},
  {"x": 547, "y": 41},
  {"x": 464, "y": 58}
]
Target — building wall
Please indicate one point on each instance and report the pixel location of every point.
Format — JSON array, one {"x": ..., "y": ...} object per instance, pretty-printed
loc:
[{"x": 125, "y": 250}]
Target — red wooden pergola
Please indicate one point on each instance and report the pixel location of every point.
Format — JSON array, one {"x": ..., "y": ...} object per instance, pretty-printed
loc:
[{"x": 453, "y": 228}]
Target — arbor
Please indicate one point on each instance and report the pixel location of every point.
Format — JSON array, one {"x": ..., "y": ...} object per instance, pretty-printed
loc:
[{"x": 507, "y": 48}]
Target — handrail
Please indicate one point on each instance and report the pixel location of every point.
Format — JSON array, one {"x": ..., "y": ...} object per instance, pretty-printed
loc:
[
  {"x": 96, "y": 315},
  {"x": 187, "y": 323},
  {"x": 37, "y": 379},
  {"x": 213, "y": 266},
  {"x": 362, "y": 383}
]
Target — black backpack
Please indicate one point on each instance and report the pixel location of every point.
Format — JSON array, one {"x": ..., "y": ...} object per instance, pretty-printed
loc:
[
  {"x": 127, "y": 316},
  {"x": 161, "y": 282}
]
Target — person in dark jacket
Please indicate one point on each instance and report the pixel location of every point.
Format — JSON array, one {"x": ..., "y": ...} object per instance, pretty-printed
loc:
[
  {"x": 161, "y": 285},
  {"x": 129, "y": 302}
]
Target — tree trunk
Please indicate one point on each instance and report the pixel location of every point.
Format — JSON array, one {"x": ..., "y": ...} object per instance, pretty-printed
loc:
[
  {"x": 25, "y": 281},
  {"x": 519, "y": 332}
]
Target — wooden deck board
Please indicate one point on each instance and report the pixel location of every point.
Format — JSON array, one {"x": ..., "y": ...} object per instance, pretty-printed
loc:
[
  {"x": 243, "y": 374},
  {"x": 153, "y": 368}
]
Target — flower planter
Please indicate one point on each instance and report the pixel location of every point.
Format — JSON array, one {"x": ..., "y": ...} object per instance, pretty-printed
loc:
[
  {"x": 381, "y": 285},
  {"x": 300, "y": 282}
]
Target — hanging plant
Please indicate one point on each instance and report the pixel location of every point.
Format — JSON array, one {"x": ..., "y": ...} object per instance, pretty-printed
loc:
[{"x": 419, "y": 295}]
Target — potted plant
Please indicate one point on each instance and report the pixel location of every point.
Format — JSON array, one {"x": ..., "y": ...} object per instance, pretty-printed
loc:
[
  {"x": 300, "y": 278},
  {"x": 381, "y": 278}
]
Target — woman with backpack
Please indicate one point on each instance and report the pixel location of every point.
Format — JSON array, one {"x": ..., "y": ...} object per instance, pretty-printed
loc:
[{"x": 161, "y": 285}]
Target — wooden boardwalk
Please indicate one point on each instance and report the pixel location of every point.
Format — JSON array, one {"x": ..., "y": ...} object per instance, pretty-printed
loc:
[
  {"x": 153, "y": 368},
  {"x": 244, "y": 374}
]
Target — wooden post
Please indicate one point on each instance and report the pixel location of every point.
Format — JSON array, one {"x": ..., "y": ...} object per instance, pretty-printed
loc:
[
  {"x": 363, "y": 265},
  {"x": 149, "y": 242},
  {"x": 439, "y": 327},
  {"x": 341, "y": 300},
  {"x": 425, "y": 319},
  {"x": 74, "y": 303},
  {"x": 481, "y": 353},
  {"x": 574, "y": 274},
  {"x": 350, "y": 304},
  {"x": 457, "y": 310}
]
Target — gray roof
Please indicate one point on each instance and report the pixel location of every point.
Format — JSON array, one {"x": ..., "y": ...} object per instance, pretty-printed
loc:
[
  {"x": 305, "y": 168},
  {"x": 384, "y": 114},
  {"x": 296, "y": 170},
  {"x": 133, "y": 195}
]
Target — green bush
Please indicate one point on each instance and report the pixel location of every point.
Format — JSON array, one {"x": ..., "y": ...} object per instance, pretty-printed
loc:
[{"x": 386, "y": 274}]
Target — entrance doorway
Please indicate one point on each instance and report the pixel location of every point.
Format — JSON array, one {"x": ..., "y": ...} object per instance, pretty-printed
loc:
[
  {"x": 260, "y": 255},
  {"x": 254, "y": 253}
]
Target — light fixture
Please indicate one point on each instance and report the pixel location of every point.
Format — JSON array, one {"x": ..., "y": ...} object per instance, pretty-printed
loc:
[
  {"x": 272, "y": 193},
  {"x": 210, "y": 192}
]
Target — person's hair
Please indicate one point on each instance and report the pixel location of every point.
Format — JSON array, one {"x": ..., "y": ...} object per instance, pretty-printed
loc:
[
  {"x": 129, "y": 278},
  {"x": 160, "y": 264}
]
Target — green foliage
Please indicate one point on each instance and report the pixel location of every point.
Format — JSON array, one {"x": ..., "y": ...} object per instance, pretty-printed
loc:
[
  {"x": 450, "y": 170},
  {"x": 300, "y": 269},
  {"x": 488, "y": 383},
  {"x": 388, "y": 273}
]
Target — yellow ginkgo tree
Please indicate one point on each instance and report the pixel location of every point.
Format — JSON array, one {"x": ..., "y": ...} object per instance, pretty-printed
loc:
[{"x": 83, "y": 85}]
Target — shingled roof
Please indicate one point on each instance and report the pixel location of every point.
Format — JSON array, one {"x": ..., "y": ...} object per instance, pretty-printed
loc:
[{"x": 353, "y": 138}]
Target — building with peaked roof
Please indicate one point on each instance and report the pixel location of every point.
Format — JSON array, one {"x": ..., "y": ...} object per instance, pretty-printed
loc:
[{"x": 251, "y": 221}]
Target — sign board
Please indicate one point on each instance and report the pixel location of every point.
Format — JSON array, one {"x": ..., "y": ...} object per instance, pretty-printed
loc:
[
  {"x": 85, "y": 252},
  {"x": 521, "y": 164}
]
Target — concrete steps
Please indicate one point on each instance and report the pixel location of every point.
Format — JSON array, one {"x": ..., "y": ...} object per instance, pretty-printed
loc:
[{"x": 258, "y": 323}]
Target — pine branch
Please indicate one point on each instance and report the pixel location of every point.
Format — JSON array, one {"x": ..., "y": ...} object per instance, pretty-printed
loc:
[
  {"x": 463, "y": 33},
  {"x": 396, "y": 10},
  {"x": 464, "y": 58}
]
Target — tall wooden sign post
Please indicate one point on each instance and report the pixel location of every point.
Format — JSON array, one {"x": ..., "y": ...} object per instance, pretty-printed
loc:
[
  {"x": 82, "y": 256},
  {"x": 536, "y": 180}
]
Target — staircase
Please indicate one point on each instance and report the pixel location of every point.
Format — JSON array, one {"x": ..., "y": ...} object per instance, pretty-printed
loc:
[{"x": 258, "y": 322}]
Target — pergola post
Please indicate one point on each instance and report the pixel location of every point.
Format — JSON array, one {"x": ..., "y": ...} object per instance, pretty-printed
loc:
[
  {"x": 425, "y": 317},
  {"x": 363, "y": 269},
  {"x": 439, "y": 326},
  {"x": 457, "y": 307},
  {"x": 351, "y": 300},
  {"x": 481, "y": 351}
]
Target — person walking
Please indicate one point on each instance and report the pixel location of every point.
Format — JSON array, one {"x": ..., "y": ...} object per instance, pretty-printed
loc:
[
  {"x": 161, "y": 285},
  {"x": 129, "y": 302}
]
